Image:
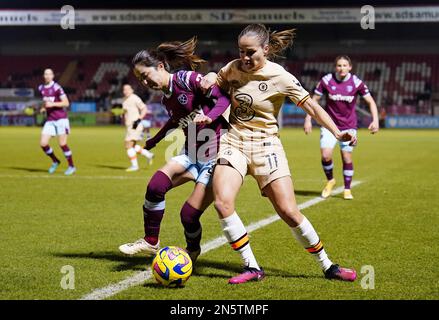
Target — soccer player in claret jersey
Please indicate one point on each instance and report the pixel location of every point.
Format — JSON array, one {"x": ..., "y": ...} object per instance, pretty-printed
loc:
[
  {"x": 55, "y": 103},
  {"x": 200, "y": 116},
  {"x": 341, "y": 89},
  {"x": 134, "y": 111},
  {"x": 258, "y": 88}
]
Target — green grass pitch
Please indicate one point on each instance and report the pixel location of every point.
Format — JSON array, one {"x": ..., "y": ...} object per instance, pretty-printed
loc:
[{"x": 47, "y": 222}]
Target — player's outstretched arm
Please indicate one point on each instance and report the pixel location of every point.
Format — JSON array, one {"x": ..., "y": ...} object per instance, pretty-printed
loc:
[
  {"x": 222, "y": 102},
  {"x": 313, "y": 109},
  {"x": 163, "y": 132},
  {"x": 374, "y": 125},
  {"x": 307, "y": 125}
]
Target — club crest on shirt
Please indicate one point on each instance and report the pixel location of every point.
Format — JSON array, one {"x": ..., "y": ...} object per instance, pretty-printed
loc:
[
  {"x": 263, "y": 86},
  {"x": 349, "y": 88},
  {"x": 333, "y": 87},
  {"x": 244, "y": 111},
  {"x": 228, "y": 152},
  {"x": 182, "y": 98}
]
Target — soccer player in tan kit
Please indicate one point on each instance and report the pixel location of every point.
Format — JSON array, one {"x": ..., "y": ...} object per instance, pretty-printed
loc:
[
  {"x": 258, "y": 88},
  {"x": 134, "y": 111}
]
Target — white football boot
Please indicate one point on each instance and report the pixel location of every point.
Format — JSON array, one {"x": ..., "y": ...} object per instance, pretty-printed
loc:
[{"x": 140, "y": 246}]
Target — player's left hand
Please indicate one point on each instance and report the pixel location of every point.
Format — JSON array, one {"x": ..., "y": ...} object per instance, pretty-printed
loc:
[
  {"x": 48, "y": 104},
  {"x": 202, "y": 119},
  {"x": 208, "y": 81},
  {"x": 347, "y": 136},
  {"x": 374, "y": 127},
  {"x": 136, "y": 124}
]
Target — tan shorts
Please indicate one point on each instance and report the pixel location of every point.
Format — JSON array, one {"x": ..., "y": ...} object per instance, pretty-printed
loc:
[
  {"x": 264, "y": 159},
  {"x": 134, "y": 135}
]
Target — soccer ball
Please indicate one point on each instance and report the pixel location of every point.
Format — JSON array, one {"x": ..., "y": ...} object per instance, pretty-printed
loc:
[{"x": 172, "y": 267}]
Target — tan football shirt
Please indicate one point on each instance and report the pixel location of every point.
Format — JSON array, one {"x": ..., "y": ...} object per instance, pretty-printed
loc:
[
  {"x": 256, "y": 98},
  {"x": 132, "y": 105}
]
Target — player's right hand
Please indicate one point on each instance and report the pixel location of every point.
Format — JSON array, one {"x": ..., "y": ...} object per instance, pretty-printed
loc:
[
  {"x": 208, "y": 81},
  {"x": 149, "y": 144},
  {"x": 307, "y": 127}
]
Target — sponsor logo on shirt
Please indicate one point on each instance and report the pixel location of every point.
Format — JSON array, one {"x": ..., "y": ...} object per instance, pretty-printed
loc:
[
  {"x": 297, "y": 82},
  {"x": 339, "y": 97},
  {"x": 244, "y": 112}
]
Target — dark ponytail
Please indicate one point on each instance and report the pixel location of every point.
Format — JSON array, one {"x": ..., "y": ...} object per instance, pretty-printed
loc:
[{"x": 174, "y": 56}]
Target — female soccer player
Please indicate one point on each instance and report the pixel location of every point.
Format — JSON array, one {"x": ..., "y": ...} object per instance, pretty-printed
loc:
[
  {"x": 258, "y": 88},
  {"x": 183, "y": 100},
  {"x": 55, "y": 103},
  {"x": 134, "y": 111},
  {"x": 341, "y": 89}
]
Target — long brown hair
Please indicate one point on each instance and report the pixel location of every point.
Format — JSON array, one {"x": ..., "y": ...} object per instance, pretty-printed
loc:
[
  {"x": 174, "y": 55},
  {"x": 277, "y": 41}
]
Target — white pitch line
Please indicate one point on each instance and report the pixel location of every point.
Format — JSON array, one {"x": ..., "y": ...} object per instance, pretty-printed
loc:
[
  {"x": 47, "y": 176},
  {"x": 140, "y": 277}
]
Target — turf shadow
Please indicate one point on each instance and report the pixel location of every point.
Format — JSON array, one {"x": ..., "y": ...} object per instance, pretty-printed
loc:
[
  {"x": 235, "y": 268},
  {"x": 158, "y": 286},
  {"x": 127, "y": 263},
  {"x": 28, "y": 169},
  {"x": 109, "y": 167},
  {"x": 203, "y": 267},
  {"x": 307, "y": 193}
]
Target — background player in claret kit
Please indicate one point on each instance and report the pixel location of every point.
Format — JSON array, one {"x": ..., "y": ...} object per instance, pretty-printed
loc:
[
  {"x": 258, "y": 88},
  {"x": 134, "y": 111},
  {"x": 185, "y": 102},
  {"x": 55, "y": 103},
  {"x": 341, "y": 89}
]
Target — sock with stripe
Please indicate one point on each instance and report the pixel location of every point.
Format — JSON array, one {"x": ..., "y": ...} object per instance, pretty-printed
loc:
[
  {"x": 348, "y": 173},
  {"x": 308, "y": 238},
  {"x": 68, "y": 154},
  {"x": 237, "y": 236},
  {"x": 190, "y": 218},
  {"x": 133, "y": 157},
  {"x": 154, "y": 206},
  {"x": 327, "y": 168},
  {"x": 49, "y": 151}
]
